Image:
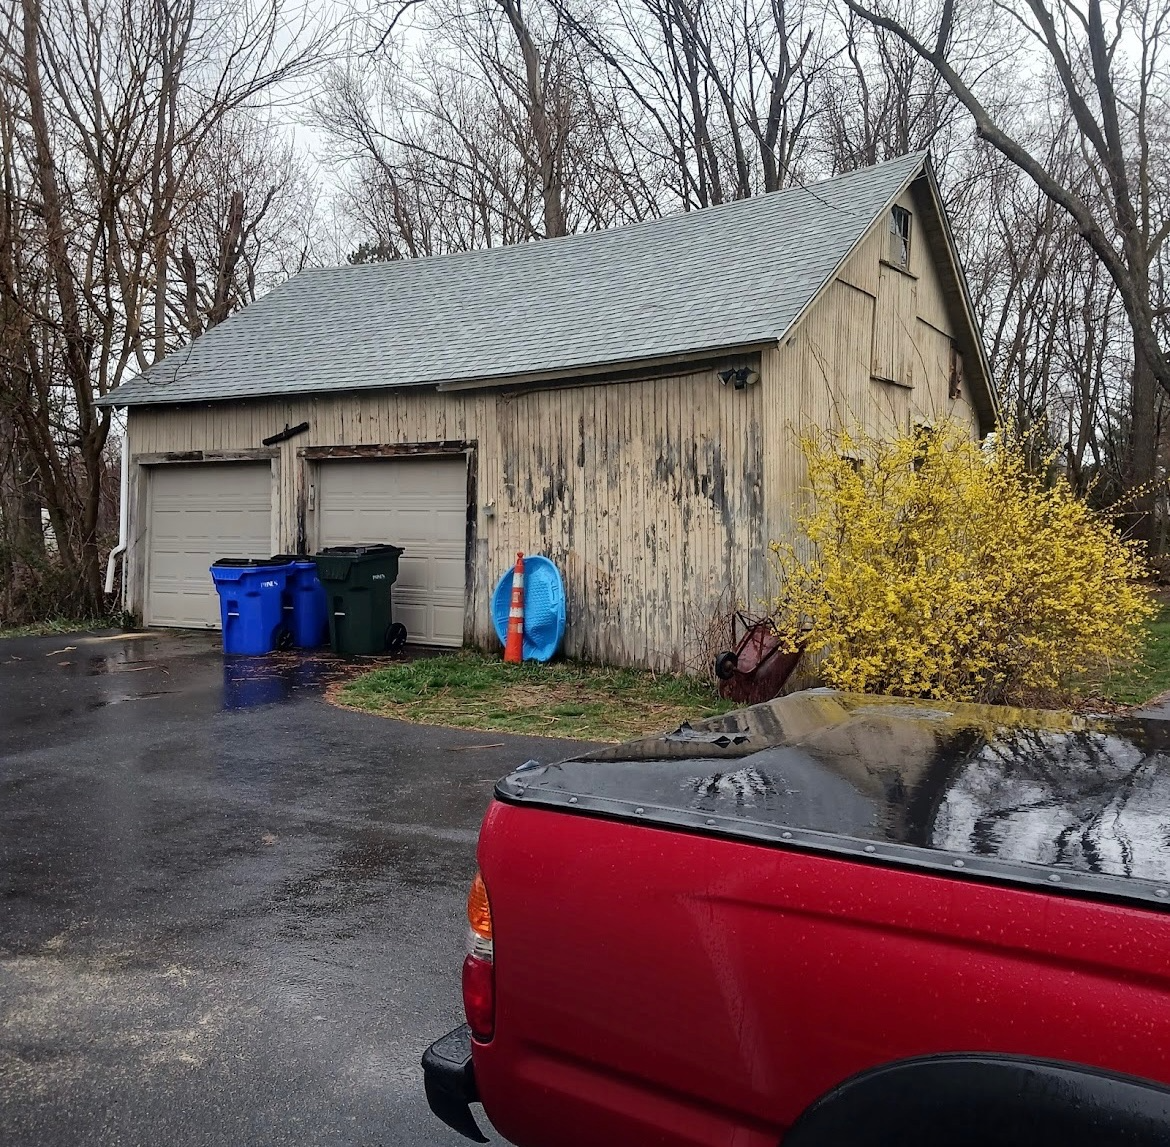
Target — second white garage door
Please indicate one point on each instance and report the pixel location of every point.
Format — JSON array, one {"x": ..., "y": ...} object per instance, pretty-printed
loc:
[{"x": 419, "y": 504}]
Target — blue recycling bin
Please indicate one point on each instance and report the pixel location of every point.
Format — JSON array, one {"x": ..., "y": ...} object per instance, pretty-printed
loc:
[
  {"x": 306, "y": 606},
  {"x": 251, "y": 604}
]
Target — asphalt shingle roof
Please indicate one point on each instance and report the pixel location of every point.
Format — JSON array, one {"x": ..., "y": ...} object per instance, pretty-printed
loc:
[{"x": 728, "y": 276}]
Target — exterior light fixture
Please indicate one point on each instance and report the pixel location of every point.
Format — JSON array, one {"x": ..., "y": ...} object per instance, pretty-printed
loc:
[{"x": 741, "y": 377}]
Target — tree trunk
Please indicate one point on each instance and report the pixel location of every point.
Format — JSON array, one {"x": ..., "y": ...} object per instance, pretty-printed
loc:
[
  {"x": 547, "y": 146},
  {"x": 1143, "y": 445},
  {"x": 92, "y": 427}
]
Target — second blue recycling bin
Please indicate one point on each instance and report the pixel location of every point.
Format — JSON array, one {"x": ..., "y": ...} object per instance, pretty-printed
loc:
[
  {"x": 251, "y": 603},
  {"x": 306, "y": 606}
]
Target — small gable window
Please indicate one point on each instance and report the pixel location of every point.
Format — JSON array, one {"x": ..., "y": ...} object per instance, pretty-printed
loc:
[
  {"x": 955, "y": 385},
  {"x": 900, "y": 237}
]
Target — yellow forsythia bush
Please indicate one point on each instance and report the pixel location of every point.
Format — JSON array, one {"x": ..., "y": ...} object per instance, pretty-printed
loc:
[{"x": 935, "y": 566}]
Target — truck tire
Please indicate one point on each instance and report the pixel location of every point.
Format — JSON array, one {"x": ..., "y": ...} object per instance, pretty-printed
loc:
[{"x": 986, "y": 1101}]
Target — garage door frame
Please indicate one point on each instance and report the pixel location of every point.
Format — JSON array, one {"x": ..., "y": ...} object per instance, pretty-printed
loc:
[
  {"x": 311, "y": 456},
  {"x": 142, "y": 466}
]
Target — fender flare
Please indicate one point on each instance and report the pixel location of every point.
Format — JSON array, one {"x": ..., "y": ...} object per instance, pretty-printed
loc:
[{"x": 986, "y": 1101}]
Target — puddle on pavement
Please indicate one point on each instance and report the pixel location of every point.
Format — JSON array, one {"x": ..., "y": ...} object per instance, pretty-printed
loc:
[
  {"x": 103, "y": 702},
  {"x": 274, "y": 678},
  {"x": 126, "y": 660},
  {"x": 137, "y": 667},
  {"x": 127, "y": 675}
]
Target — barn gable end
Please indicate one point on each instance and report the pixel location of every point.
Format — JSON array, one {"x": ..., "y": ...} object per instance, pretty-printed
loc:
[{"x": 882, "y": 348}]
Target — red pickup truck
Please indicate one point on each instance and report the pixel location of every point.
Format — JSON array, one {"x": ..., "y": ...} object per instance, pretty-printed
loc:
[{"x": 826, "y": 921}]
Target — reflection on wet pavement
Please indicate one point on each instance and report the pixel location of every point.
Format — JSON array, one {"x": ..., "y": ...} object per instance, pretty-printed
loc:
[
  {"x": 270, "y": 680},
  {"x": 229, "y": 912},
  {"x": 89, "y": 673}
]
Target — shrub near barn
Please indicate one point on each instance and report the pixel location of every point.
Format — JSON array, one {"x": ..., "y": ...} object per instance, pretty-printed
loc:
[{"x": 934, "y": 566}]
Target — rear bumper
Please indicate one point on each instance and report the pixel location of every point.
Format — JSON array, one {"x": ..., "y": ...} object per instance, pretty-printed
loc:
[{"x": 449, "y": 1077}]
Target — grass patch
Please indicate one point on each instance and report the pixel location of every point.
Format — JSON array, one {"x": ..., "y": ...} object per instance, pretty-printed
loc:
[
  {"x": 564, "y": 699},
  {"x": 1149, "y": 676},
  {"x": 61, "y": 625}
]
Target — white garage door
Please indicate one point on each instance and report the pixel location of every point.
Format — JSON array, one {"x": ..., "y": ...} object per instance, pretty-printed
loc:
[
  {"x": 419, "y": 504},
  {"x": 195, "y": 515}
]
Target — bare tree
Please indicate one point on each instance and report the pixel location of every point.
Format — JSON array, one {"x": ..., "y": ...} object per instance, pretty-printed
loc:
[
  {"x": 882, "y": 100},
  {"x": 106, "y": 109},
  {"x": 490, "y": 128},
  {"x": 245, "y": 222},
  {"x": 727, "y": 92},
  {"x": 535, "y": 94},
  {"x": 1113, "y": 82}
]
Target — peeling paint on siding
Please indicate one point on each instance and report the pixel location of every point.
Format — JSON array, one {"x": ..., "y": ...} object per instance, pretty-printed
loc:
[{"x": 646, "y": 494}]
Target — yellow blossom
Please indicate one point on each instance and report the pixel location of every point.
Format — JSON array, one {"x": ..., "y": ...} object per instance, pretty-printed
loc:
[{"x": 934, "y": 566}]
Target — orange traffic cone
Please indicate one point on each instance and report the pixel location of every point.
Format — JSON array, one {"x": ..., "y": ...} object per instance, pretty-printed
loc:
[{"x": 514, "y": 647}]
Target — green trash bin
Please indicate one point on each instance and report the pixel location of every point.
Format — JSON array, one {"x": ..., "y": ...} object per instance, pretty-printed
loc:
[{"x": 357, "y": 581}]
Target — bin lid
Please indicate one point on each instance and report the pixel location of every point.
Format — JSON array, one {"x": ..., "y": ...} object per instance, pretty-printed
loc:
[
  {"x": 292, "y": 559},
  {"x": 240, "y": 562},
  {"x": 374, "y": 549}
]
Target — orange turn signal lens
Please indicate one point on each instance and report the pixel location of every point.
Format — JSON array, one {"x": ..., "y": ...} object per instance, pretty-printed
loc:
[{"x": 479, "y": 911}]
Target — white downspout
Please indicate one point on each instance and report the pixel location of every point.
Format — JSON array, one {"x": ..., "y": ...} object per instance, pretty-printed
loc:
[{"x": 123, "y": 515}]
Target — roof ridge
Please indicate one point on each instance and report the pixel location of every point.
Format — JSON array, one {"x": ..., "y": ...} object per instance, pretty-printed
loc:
[{"x": 674, "y": 218}]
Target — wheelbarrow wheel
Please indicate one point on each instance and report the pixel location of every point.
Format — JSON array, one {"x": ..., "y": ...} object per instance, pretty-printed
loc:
[
  {"x": 395, "y": 636},
  {"x": 726, "y": 665}
]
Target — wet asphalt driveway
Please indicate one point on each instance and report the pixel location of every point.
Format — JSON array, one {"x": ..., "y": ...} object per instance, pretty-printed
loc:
[{"x": 230, "y": 913}]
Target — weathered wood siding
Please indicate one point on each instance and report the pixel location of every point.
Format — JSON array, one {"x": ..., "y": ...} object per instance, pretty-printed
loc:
[
  {"x": 648, "y": 495},
  {"x": 874, "y": 351}
]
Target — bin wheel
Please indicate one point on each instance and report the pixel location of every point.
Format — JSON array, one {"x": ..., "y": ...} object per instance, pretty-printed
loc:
[
  {"x": 725, "y": 665},
  {"x": 395, "y": 636},
  {"x": 284, "y": 638}
]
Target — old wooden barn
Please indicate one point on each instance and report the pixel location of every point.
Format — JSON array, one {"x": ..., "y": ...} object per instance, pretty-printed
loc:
[{"x": 625, "y": 402}]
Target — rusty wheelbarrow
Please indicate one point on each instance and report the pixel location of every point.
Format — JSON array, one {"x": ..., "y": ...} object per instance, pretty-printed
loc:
[{"x": 757, "y": 665}]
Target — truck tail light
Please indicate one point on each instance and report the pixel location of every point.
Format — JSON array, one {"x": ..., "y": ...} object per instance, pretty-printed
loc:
[{"x": 479, "y": 984}]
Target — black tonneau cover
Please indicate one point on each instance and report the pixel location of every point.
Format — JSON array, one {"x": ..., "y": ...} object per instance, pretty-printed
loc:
[{"x": 1076, "y": 804}]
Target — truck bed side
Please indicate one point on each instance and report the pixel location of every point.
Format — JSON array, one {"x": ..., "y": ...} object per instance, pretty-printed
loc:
[{"x": 707, "y": 990}]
